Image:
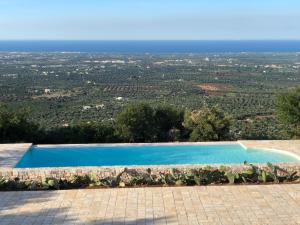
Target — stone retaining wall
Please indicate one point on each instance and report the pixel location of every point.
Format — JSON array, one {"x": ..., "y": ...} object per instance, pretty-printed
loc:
[{"x": 66, "y": 173}]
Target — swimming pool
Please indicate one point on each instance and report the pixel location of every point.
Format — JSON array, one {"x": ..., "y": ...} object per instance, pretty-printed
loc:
[{"x": 147, "y": 154}]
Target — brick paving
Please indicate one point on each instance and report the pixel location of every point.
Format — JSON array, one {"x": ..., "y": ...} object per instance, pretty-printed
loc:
[{"x": 252, "y": 204}]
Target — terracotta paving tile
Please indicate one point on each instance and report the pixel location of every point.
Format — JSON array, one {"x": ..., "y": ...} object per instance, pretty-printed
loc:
[{"x": 270, "y": 204}]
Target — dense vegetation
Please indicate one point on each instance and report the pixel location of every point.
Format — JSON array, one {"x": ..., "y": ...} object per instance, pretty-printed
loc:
[
  {"x": 138, "y": 122},
  {"x": 15, "y": 126},
  {"x": 288, "y": 110},
  {"x": 208, "y": 125},
  {"x": 141, "y": 177},
  {"x": 72, "y": 94},
  {"x": 141, "y": 122}
]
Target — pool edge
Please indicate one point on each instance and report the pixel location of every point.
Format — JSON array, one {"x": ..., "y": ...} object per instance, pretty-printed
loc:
[
  {"x": 287, "y": 147},
  {"x": 11, "y": 154},
  {"x": 138, "y": 144}
]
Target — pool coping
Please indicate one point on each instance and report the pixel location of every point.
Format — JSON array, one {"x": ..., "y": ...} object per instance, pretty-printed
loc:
[
  {"x": 8, "y": 172},
  {"x": 140, "y": 144},
  {"x": 168, "y": 166},
  {"x": 12, "y": 153},
  {"x": 288, "y": 147}
]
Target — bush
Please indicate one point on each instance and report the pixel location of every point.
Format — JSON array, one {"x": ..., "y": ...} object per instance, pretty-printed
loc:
[
  {"x": 208, "y": 125},
  {"x": 288, "y": 110},
  {"x": 136, "y": 123},
  {"x": 82, "y": 133},
  {"x": 15, "y": 126},
  {"x": 142, "y": 123},
  {"x": 168, "y": 123}
]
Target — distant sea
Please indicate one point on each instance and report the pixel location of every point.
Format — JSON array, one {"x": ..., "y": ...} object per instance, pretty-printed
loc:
[{"x": 159, "y": 47}]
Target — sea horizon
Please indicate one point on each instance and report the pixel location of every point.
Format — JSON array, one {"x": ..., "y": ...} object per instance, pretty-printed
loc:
[{"x": 152, "y": 46}]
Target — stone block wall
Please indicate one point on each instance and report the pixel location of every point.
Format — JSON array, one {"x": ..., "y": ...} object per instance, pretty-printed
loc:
[{"x": 66, "y": 173}]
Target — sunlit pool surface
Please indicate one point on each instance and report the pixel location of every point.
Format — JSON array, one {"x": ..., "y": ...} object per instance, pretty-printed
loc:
[{"x": 120, "y": 155}]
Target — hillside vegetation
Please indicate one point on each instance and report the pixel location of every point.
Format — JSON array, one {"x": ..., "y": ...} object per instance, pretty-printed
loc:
[
  {"x": 74, "y": 93},
  {"x": 141, "y": 122}
]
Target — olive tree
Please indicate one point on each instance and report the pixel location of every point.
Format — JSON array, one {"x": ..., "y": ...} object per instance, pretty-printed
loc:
[
  {"x": 208, "y": 125},
  {"x": 136, "y": 123},
  {"x": 288, "y": 110},
  {"x": 15, "y": 126}
]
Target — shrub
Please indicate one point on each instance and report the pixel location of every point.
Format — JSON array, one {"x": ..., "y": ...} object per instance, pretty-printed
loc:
[
  {"x": 136, "y": 123},
  {"x": 15, "y": 126},
  {"x": 208, "y": 125},
  {"x": 288, "y": 110},
  {"x": 81, "y": 133},
  {"x": 166, "y": 177},
  {"x": 143, "y": 123}
]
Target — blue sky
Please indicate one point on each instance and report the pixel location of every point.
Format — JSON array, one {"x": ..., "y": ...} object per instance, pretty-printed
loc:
[{"x": 149, "y": 19}]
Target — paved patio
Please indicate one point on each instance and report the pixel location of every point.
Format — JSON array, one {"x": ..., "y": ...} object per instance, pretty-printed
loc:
[
  {"x": 291, "y": 146},
  {"x": 271, "y": 204},
  {"x": 10, "y": 154}
]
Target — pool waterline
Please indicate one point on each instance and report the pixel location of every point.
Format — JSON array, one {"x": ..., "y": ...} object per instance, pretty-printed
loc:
[{"x": 145, "y": 154}]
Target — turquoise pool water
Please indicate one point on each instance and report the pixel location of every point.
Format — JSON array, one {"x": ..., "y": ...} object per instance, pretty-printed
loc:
[{"x": 65, "y": 156}]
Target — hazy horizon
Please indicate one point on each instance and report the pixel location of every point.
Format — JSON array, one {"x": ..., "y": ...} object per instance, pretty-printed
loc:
[
  {"x": 157, "y": 40},
  {"x": 150, "y": 46},
  {"x": 149, "y": 20}
]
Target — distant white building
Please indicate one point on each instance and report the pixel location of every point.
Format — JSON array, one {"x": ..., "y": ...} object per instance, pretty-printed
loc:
[
  {"x": 119, "y": 98},
  {"x": 86, "y": 107},
  {"x": 118, "y": 61},
  {"x": 100, "y": 106}
]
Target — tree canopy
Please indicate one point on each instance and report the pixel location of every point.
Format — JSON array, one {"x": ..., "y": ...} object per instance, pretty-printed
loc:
[
  {"x": 139, "y": 122},
  {"x": 288, "y": 109},
  {"x": 136, "y": 123},
  {"x": 208, "y": 125},
  {"x": 142, "y": 123},
  {"x": 15, "y": 126}
]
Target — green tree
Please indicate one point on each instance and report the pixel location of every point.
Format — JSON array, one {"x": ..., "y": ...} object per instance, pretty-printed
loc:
[
  {"x": 208, "y": 125},
  {"x": 136, "y": 123},
  {"x": 288, "y": 110},
  {"x": 81, "y": 133},
  {"x": 15, "y": 126},
  {"x": 168, "y": 122}
]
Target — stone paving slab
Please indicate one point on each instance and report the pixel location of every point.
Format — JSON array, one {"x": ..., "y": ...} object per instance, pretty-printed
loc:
[
  {"x": 262, "y": 205},
  {"x": 10, "y": 154},
  {"x": 292, "y": 146}
]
